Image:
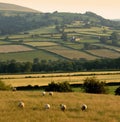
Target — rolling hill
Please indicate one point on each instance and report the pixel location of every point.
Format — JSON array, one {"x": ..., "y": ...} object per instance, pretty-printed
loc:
[
  {"x": 57, "y": 35},
  {"x": 12, "y": 7}
]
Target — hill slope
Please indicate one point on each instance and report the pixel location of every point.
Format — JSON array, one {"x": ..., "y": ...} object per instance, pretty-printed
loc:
[{"x": 12, "y": 7}]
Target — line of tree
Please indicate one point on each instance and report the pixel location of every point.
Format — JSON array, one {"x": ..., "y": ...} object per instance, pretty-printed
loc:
[{"x": 58, "y": 66}]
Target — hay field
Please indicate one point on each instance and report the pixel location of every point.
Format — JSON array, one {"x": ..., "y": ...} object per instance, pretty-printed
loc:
[
  {"x": 101, "y": 108},
  {"x": 104, "y": 53},
  {"x": 117, "y": 49},
  {"x": 13, "y": 48},
  {"x": 41, "y": 43},
  {"x": 72, "y": 78},
  {"x": 69, "y": 53}
]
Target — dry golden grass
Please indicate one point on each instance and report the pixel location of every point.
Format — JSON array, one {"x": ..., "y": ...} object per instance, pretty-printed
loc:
[
  {"x": 44, "y": 79},
  {"x": 107, "y": 53},
  {"x": 13, "y": 48},
  {"x": 69, "y": 53},
  {"x": 101, "y": 108},
  {"x": 41, "y": 43}
]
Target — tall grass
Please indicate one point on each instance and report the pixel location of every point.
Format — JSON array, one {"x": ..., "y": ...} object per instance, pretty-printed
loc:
[{"x": 101, "y": 108}]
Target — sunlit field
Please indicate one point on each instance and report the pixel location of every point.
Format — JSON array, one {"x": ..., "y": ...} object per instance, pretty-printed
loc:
[
  {"x": 101, "y": 108},
  {"x": 72, "y": 78}
]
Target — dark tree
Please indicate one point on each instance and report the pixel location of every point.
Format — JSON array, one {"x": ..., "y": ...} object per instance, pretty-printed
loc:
[
  {"x": 64, "y": 36},
  {"x": 117, "y": 91},
  {"x": 93, "y": 85}
]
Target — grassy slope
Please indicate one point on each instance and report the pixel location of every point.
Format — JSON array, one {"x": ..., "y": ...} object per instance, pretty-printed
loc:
[
  {"x": 66, "y": 49},
  {"x": 101, "y": 108},
  {"x": 12, "y": 7}
]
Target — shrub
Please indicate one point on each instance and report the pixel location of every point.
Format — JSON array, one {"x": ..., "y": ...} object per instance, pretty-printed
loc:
[
  {"x": 93, "y": 85},
  {"x": 60, "y": 87},
  {"x": 3, "y": 86},
  {"x": 117, "y": 91}
]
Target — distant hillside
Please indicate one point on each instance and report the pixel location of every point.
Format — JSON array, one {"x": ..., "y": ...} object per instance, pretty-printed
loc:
[
  {"x": 12, "y": 7},
  {"x": 116, "y": 19}
]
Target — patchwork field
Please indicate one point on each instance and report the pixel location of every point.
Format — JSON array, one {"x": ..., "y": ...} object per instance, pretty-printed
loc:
[
  {"x": 50, "y": 41},
  {"x": 69, "y": 53},
  {"x": 101, "y": 108},
  {"x": 29, "y": 56}
]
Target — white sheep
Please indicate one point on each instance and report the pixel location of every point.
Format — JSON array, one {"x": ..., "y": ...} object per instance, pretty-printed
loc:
[
  {"x": 14, "y": 89},
  {"x": 84, "y": 107},
  {"x": 44, "y": 93},
  {"x": 62, "y": 107},
  {"x": 21, "y": 104},
  {"x": 51, "y": 93},
  {"x": 47, "y": 106}
]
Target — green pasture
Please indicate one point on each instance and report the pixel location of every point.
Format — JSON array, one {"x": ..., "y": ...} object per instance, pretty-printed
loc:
[
  {"x": 84, "y": 40},
  {"x": 18, "y": 36},
  {"x": 4, "y": 42},
  {"x": 42, "y": 30},
  {"x": 28, "y": 56},
  {"x": 75, "y": 46},
  {"x": 40, "y": 39}
]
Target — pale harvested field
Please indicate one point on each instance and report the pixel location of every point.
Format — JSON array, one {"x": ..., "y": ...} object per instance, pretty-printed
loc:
[
  {"x": 105, "y": 53},
  {"x": 109, "y": 47},
  {"x": 41, "y": 43},
  {"x": 45, "y": 79},
  {"x": 101, "y": 108},
  {"x": 69, "y": 53},
  {"x": 13, "y": 48}
]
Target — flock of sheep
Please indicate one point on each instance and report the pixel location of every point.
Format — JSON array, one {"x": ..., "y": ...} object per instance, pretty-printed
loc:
[{"x": 63, "y": 107}]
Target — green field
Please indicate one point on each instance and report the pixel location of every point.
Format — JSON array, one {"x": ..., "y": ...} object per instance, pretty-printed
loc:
[
  {"x": 28, "y": 56},
  {"x": 3, "y": 42}
]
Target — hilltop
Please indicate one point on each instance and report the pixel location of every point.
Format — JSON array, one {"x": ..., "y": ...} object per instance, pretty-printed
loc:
[{"x": 12, "y": 7}]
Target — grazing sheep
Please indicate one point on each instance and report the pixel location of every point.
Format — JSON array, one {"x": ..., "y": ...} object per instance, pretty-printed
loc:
[
  {"x": 62, "y": 107},
  {"x": 84, "y": 107},
  {"x": 51, "y": 93},
  {"x": 14, "y": 89},
  {"x": 43, "y": 93},
  {"x": 21, "y": 104},
  {"x": 47, "y": 106}
]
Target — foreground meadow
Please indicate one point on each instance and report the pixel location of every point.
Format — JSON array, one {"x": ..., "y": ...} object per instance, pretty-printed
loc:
[{"x": 101, "y": 108}]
